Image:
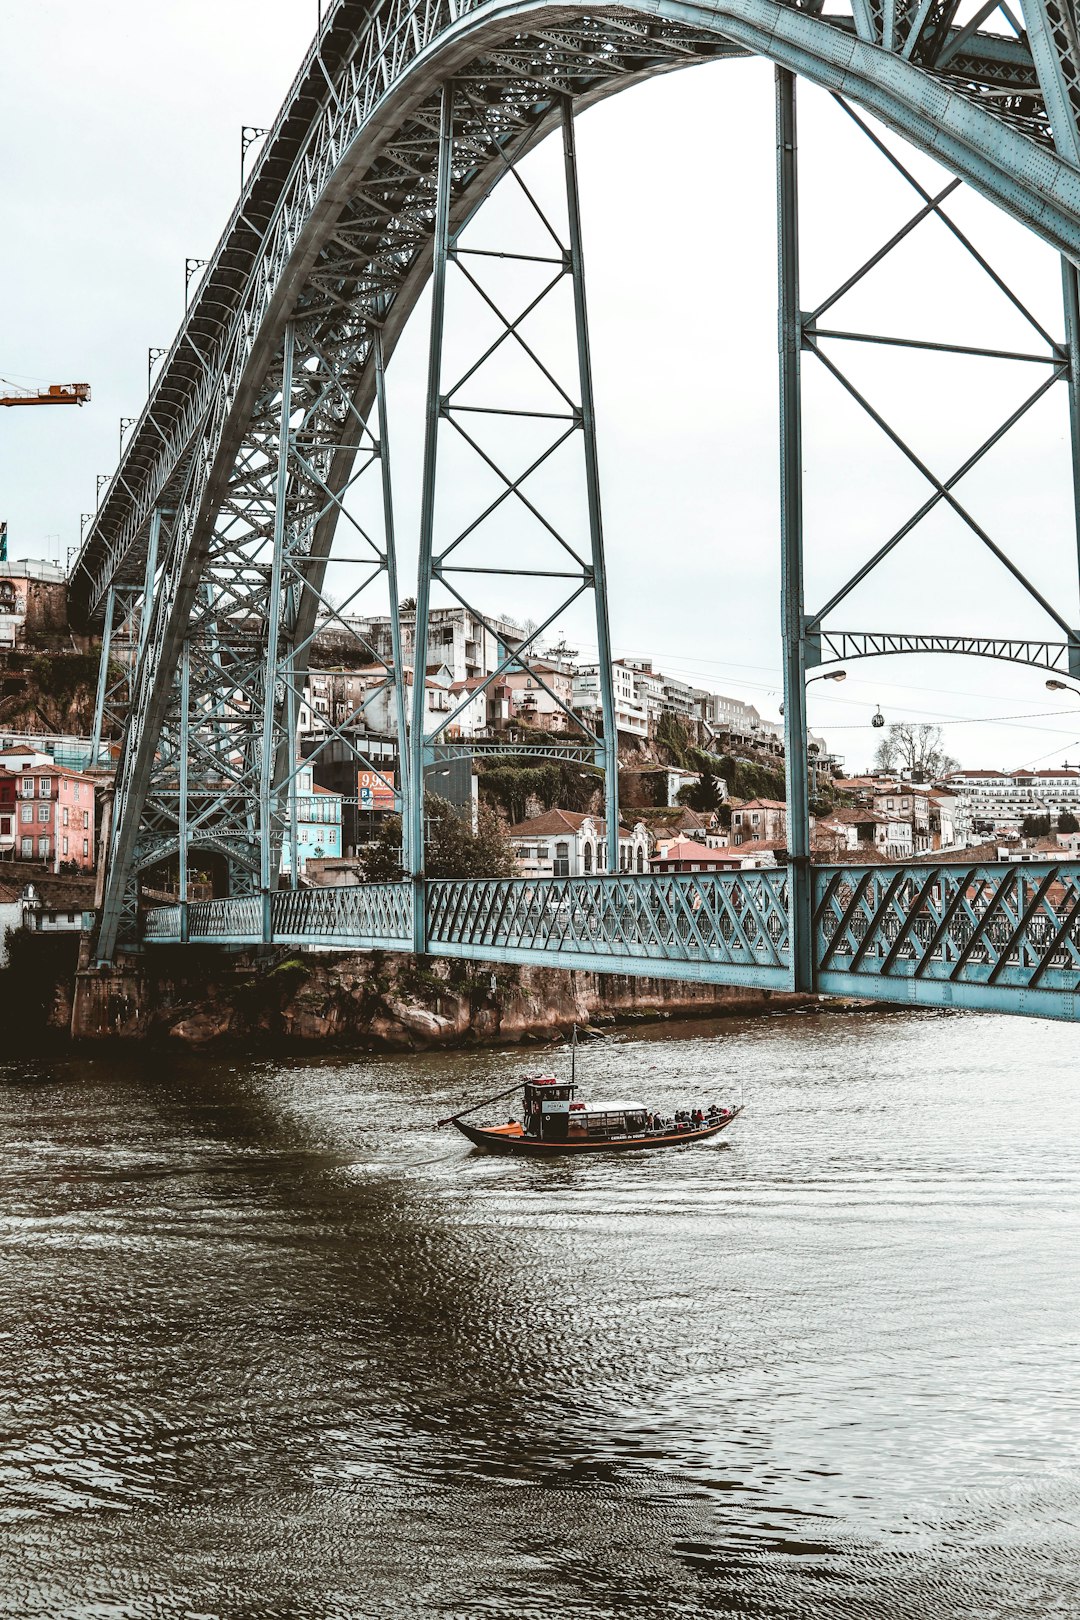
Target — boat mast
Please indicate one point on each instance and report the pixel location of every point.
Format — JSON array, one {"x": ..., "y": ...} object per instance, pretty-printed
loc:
[{"x": 573, "y": 1057}]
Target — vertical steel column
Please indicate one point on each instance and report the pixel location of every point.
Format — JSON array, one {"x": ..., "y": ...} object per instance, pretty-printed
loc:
[
  {"x": 791, "y": 536},
  {"x": 146, "y": 610},
  {"x": 290, "y": 730},
  {"x": 1070, "y": 288},
  {"x": 103, "y": 675},
  {"x": 182, "y": 817},
  {"x": 270, "y": 676},
  {"x": 592, "y": 485},
  {"x": 395, "y": 605},
  {"x": 415, "y": 802}
]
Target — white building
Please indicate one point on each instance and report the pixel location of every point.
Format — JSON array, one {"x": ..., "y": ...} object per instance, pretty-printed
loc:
[
  {"x": 1002, "y": 799},
  {"x": 564, "y": 843},
  {"x": 456, "y": 637},
  {"x": 630, "y": 712}
]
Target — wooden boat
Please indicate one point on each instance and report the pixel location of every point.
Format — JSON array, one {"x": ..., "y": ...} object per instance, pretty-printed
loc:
[{"x": 556, "y": 1122}]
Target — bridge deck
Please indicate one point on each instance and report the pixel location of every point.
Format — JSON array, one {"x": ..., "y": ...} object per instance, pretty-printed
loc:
[{"x": 1000, "y": 937}]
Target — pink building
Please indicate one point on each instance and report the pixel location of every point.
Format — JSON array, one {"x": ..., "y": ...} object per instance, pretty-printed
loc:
[{"x": 54, "y": 816}]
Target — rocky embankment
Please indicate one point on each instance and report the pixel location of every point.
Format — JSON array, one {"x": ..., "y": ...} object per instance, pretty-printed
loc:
[{"x": 371, "y": 1000}]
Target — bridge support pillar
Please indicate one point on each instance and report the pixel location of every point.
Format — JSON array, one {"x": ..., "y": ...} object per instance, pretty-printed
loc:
[
  {"x": 791, "y": 537},
  {"x": 592, "y": 485},
  {"x": 269, "y": 821},
  {"x": 103, "y": 675},
  {"x": 183, "y": 802},
  {"x": 1070, "y": 286}
]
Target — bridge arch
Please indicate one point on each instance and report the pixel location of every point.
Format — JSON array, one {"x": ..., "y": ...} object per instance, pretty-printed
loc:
[{"x": 373, "y": 141}]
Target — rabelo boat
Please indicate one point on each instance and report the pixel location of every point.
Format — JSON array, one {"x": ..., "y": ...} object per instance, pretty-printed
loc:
[{"x": 555, "y": 1121}]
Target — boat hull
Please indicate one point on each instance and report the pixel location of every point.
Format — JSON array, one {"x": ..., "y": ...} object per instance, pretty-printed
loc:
[{"x": 507, "y": 1139}]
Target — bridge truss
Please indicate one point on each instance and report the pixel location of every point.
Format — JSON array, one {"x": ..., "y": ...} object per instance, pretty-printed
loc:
[{"x": 215, "y": 533}]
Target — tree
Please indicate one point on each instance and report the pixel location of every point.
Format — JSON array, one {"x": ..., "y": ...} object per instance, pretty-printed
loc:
[
  {"x": 704, "y": 794},
  {"x": 1067, "y": 822},
  {"x": 1036, "y": 826},
  {"x": 452, "y": 849},
  {"x": 914, "y": 748}
]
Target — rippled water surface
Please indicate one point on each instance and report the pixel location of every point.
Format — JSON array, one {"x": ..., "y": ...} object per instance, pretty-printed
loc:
[{"x": 272, "y": 1345}]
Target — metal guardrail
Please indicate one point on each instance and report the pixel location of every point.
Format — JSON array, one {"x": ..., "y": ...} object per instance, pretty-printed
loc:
[
  {"x": 730, "y": 926},
  {"x": 999, "y": 936},
  {"x": 1002, "y": 936}
]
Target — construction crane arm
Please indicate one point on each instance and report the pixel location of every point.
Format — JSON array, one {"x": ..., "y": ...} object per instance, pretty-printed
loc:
[{"x": 55, "y": 394}]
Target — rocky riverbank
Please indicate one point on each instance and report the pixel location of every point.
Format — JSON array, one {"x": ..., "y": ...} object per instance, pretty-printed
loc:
[{"x": 371, "y": 1000}]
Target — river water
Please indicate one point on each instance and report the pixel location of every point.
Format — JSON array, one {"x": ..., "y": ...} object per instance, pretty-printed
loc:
[{"x": 272, "y": 1345}]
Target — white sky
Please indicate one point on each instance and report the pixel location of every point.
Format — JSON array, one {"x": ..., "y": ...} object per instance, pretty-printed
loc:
[{"x": 121, "y": 121}]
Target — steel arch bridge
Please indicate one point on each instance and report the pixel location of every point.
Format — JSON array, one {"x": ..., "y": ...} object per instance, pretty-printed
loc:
[{"x": 210, "y": 545}]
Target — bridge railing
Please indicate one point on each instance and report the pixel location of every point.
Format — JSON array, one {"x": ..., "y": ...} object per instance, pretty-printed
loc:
[
  {"x": 1001, "y": 935},
  {"x": 727, "y": 925},
  {"x": 368, "y": 916},
  {"x": 362, "y": 916}
]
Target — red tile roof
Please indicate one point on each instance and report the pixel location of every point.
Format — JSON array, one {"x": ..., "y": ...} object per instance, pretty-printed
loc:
[
  {"x": 687, "y": 850},
  {"x": 554, "y": 822}
]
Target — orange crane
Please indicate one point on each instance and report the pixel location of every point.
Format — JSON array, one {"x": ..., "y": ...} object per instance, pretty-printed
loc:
[{"x": 55, "y": 394}]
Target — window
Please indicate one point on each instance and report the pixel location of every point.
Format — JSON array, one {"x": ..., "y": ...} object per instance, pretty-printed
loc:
[
  {"x": 561, "y": 866},
  {"x": 26, "y": 849},
  {"x": 45, "y": 787},
  {"x": 86, "y": 849},
  {"x": 77, "y": 793},
  {"x": 588, "y": 857},
  {"x": 65, "y": 815},
  {"x": 43, "y": 847},
  {"x": 640, "y": 859},
  {"x": 5, "y": 826},
  {"x": 28, "y": 785},
  {"x": 43, "y": 812},
  {"x": 65, "y": 846},
  {"x": 26, "y": 812}
]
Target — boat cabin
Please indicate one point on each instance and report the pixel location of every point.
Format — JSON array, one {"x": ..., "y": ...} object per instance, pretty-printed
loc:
[
  {"x": 547, "y": 1107},
  {"x": 606, "y": 1119},
  {"x": 552, "y": 1114}
]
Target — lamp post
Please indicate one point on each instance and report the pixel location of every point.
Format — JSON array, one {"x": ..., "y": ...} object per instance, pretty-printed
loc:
[{"x": 1062, "y": 686}]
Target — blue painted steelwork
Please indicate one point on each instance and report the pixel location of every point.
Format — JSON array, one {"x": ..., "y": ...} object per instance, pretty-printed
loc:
[
  {"x": 333, "y": 240},
  {"x": 370, "y": 916},
  {"x": 1002, "y": 937},
  {"x": 728, "y": 927}
]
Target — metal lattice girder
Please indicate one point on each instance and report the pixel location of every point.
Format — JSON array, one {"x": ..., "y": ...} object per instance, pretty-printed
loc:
[
  {"x": 341, "y": 205},
  {"x": 351, "y": 74},
  {"x": 843, "y": 645},
  {"x": 231, "y": 719},
  {"x": 557, "y": 411},
  {"x": 1058, "y": 360},
  {"x": 484, "y": 748},
  {"x": 1054, "y": 43},
  {"x": 730, "y": 927},
  {"x": 999, "y": 936},
  {"x": 1004, "y": 936}
]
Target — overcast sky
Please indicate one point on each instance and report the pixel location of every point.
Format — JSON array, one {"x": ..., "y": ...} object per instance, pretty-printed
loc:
[{"x": 121, "y": 126}]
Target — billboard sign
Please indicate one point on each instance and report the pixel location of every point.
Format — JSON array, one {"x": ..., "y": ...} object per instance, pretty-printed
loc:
[{"x": 376, "y": 790}]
